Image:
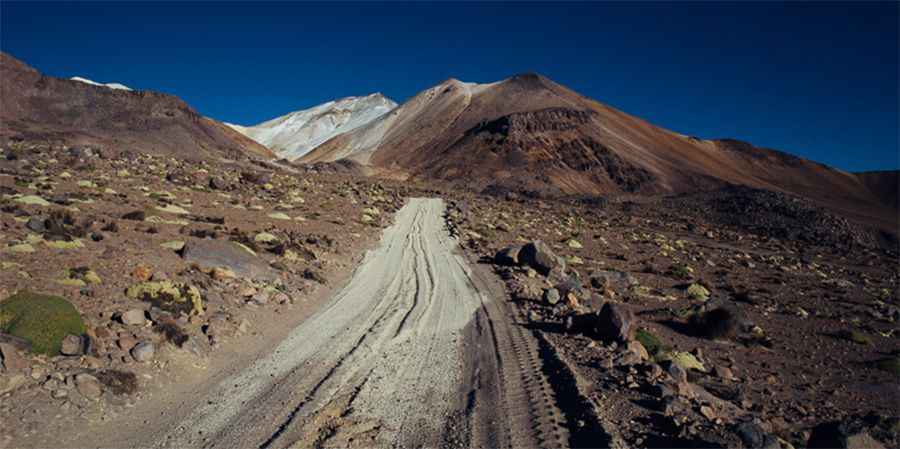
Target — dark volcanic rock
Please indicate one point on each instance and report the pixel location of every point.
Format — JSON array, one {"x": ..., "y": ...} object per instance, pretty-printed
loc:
[
  {"x": 508, "y": 256},
  {"x": 539, "y": 256},
  {"x": 615, "y": 322},
  {"x": 842, "y": 435}
]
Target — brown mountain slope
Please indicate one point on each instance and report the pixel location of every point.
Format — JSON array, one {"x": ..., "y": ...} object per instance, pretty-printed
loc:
[
  {"x": 35, "y": 106},
  {"x": 885, "y": 185},
  {"x": 529, "y": 133}
]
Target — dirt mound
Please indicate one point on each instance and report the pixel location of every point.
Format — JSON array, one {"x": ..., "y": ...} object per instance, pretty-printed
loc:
[
  {"x": 34, "y": 106},
  {"x": 774, "y": 214}
]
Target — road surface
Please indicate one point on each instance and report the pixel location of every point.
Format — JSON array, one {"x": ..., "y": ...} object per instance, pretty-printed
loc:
[{"x": 416, "y": 350}]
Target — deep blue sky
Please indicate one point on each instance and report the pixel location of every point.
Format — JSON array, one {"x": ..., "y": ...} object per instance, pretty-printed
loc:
[{"x": 818, "y": 80}]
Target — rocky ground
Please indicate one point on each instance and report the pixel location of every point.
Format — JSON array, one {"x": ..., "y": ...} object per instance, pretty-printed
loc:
[
  {"x": 147, "y": 265},
  {"x": 732, "y": 318},
  {"x": 718, "y": 320}
]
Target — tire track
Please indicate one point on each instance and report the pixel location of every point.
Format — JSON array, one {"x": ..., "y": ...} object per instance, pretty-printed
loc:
[{"x": 414, "y": 337}]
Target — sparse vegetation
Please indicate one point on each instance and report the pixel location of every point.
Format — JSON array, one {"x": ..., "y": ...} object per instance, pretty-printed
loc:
[
  {"x": 42, "y": 320},
  {"x": 856, "y": 337},
  {"x": 651, "y": 342}
]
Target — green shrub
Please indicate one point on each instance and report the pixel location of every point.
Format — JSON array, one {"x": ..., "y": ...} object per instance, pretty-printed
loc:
[
  {"x": 856, "y": 337},
  {"x": 651, "y": 342},
  {"x": 681, "y": 271},
  {"x": 42, "y": 320}
]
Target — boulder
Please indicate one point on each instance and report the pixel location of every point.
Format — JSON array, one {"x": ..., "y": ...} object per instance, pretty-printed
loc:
[
  {"x": 508, "y": 256},
  {"x": 842, "y": 435},
  {"x": 211, "y": 254},
  {"x": 539, "y": 256},
  {"x": 615, "y": 322}
]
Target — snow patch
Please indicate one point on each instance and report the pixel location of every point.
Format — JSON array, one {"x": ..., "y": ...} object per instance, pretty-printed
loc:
[{"x": 116, "y": 86}]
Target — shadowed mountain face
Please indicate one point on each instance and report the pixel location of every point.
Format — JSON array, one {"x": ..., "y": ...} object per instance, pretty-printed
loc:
[
  {"x": 34, "y": 106},
  {"x": 528, "y": 133}
]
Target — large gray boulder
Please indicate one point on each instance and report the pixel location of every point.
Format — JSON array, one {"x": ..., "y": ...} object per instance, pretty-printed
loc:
[
  {"x": 539, "y": 256},
  {"x": 211, "y": 254}
]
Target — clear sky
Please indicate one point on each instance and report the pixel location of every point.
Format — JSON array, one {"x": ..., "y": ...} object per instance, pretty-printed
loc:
[{"x": 817, "y": 80}]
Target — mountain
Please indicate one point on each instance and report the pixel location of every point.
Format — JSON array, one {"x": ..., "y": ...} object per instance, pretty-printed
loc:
[
  {"x": 295, "y": 134},
  {"x": 529, "y": 133},
  {"x": 884, "y": 184},
  {"x": 76, "y": 112},
  {"x": 94, "y": 83}
]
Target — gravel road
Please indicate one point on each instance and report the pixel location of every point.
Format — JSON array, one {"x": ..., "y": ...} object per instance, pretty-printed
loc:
[{"x": 413, "y": 351}]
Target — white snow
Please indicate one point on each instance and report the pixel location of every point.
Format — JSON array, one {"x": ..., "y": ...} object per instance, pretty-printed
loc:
[
  {"x": 116, "y": 86},
  {"x": 295, "y": 134}
]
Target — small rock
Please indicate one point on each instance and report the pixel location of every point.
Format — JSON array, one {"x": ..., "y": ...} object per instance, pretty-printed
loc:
[
  {"x": 143, "y": 351},
  {"x": 36, "y": 224},
  {"x": 142, "y": 273},
  {"x": 708, "y": 412},
  {"x": 126, "y": 343},
  {"x": 221, "y": 274},
  {"x": 137, "y": 215},
  {"x": 638, "y": 349},
  {"x": 12, "y": 361},
  {"x": 133, "y": 317},
  {"x": 723, "y": 372},
  {"x": 217, "y": 183},
  {"x": 88, "y": 385},
  {"x": 72, "y": 345},
  {"x": 551, "y": 296}
]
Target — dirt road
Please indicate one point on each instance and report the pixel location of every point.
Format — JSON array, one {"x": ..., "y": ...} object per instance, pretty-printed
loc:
[{"x": 413, "y": 351}]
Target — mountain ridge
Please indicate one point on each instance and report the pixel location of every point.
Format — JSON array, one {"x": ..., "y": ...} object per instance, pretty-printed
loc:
[
  {"x": 37, "y": 106},
  {"x": 294, "y": 134},
  {"x": 529, "y": 133}
]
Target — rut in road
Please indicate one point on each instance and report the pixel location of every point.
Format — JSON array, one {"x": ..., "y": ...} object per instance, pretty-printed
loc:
[{"x": 384, "y": 362}]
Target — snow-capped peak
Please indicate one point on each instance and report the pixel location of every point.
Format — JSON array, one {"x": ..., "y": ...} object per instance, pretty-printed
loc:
[
  {"x": 116, "y": 86},
  {"x": 297, "y": 133}
]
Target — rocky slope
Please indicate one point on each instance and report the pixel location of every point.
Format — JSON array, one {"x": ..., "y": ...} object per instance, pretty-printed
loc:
[
  {"x": 293, "y": 135},
  {"x": 166, "y": 271},
  {"x": 34, "y": 106},
  {"x": 527, "y": 133},
  {"x": 670, "y": 326}
]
